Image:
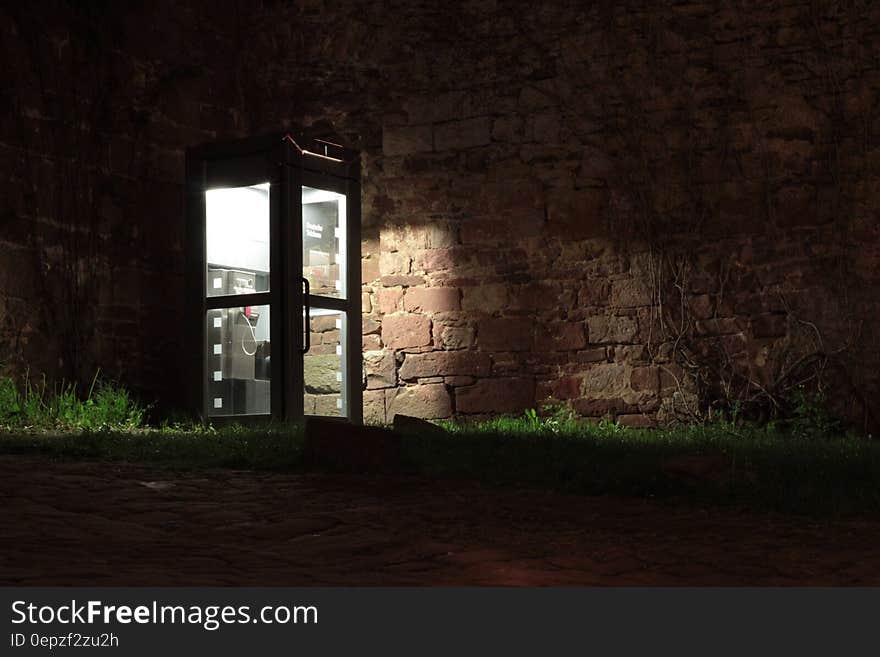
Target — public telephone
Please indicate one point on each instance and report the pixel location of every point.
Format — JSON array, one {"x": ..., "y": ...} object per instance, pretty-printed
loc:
[{"x": 238, "y": 338}]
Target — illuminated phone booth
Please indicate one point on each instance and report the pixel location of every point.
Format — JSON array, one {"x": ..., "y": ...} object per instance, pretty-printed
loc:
[{"x": 273, "y": 241}]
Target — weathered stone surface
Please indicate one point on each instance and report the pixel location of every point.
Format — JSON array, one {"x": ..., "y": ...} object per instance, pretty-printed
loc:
[
  {"x": 606, "y": 380},
  {"x": 436, "y": 236},
  {"x": 401, "y": 279},
  {"x": 320, "y": 373},
  {"x": 380, "y": 369},
  {"x": 537, "y": 96},
  {"x": 406, "y": 330},
  {"x": 507, "y": 128},
  {"x": 578, "y": 214},
  {"x": 629, "y": 292},
  {"x": 769, "y": 326},
  {"x": 322, "y": 323},
  {"x": 505, "y": 334},
  {"x": 374, "y": 407},
  {"x": 721, "y": 326},
  {"x": 600, "y": 407},
  {"x": 533, "y": 297},
  {"x": 645, "y": 379},
  {"x": 672, "y": 377},
  {"x": 701, "y": 305},
  {"x": 423, "y": 401},
  {"x": 568, "y": 387},
  {"x": 489, "y": 298},
  {"x": 456, "y": 337},
  {"x": 611, "y": 329},
  {"x": 327, "y": 405},
  {"x": 390, "y": 300},
  {"x": 431, "y": 299},
  {"x": 332, "y": 337},
  {"x": 394, "y": 263},
  {"x": 370, "y": 268},
  {"x": 371, "y": 343},
  {"x": 462, "y": 134},
  {"x": 403, "y": 140},
  {"x": 635, "y": 354},
  {"x": 501, "y": 395},
  {"x": 796, "y": 205},
  {"x": 545, "y": 127},
  {"x": 368, "y": 326},
  {"x": 595, "y": 293},
  {"x": 561, "y": 336},
  {"x": 595, "y": 355},
  {"x": 445, "y": 363},
  {"x": 433, "y": 260}
]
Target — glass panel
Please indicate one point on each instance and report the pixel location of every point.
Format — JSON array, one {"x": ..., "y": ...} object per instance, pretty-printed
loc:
[
  {"x": 237, "y": 234},
  {"x": 324, "y": 372},
  {"x": 238, "y": 361},
  {"x": 323, "y": 216}
]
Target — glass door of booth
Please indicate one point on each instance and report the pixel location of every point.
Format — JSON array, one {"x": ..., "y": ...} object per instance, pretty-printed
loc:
[
  {"x": 239, "y": 301},
  {"x": 274, "y": 229},
  {"x": 325, "y": 296}
]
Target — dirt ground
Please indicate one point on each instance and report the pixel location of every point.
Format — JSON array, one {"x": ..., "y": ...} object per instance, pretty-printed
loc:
[{"x": 93, "y": 523}]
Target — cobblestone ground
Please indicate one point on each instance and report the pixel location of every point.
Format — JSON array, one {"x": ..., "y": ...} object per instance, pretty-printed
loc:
[{"x": 91, "y": 523}]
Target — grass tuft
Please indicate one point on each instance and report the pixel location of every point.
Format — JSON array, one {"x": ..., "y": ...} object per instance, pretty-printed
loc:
[{"x": 33, "y": 405}]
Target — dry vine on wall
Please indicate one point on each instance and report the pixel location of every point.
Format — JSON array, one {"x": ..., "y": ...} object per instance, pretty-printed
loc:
[{"x": 730, "y": 329}]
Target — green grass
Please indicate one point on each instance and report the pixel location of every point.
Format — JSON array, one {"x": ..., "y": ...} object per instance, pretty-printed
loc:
[
  {"x": 273, "y": 447},
  {"x": 760, "y": 467},
  {"x": 33, "y": 405},
  {"x": 802, "y": 468}
]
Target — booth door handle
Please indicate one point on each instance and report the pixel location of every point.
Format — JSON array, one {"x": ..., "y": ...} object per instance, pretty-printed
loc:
[{"x": 307, "y": 316}]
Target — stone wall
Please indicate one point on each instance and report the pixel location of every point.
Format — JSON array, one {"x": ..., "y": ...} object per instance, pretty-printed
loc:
[{"x": 635, "y": 208}]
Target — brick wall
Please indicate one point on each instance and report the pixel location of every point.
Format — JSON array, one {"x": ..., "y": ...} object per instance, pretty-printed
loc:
[{"x": 633, "y": 207}]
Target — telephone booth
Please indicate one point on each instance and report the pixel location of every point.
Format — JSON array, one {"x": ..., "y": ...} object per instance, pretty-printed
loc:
[{"x": 274, "y": 290}]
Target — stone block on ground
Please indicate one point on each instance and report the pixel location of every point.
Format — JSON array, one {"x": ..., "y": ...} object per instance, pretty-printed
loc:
[
  {"x": 410, "y": 424},
  {"x": 339, "y": 445},
  {"x": 696, "y": 470}
]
